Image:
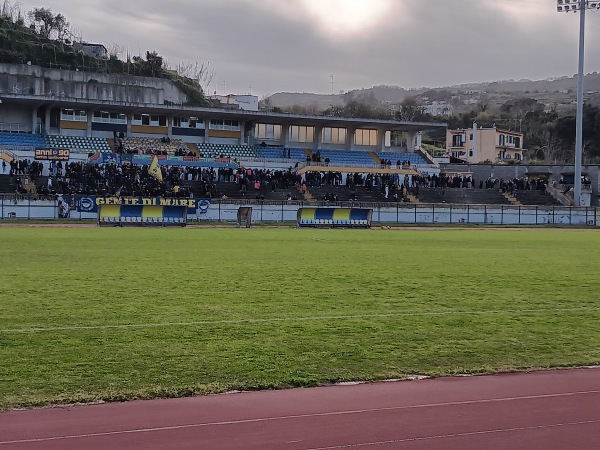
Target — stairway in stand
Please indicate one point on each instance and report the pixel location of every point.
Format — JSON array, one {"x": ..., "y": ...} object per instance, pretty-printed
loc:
[
  {"x": 511, "y": 199},
  {"x": 308, "y": 197},
  {"x": 412, "y": 198},
  {"x": 30, "y": 187}
]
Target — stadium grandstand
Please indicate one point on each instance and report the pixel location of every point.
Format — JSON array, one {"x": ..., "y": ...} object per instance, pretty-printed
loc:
[{"x": 220, "y": 153}]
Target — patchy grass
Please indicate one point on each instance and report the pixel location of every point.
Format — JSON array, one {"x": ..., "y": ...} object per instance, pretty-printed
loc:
[{"x": 218, "y": 309}]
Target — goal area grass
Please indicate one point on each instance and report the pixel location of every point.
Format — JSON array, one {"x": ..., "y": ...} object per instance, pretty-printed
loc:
[{"x": 109, "y": 314}]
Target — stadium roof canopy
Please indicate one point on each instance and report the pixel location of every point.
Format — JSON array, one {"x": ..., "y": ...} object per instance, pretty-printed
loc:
[{"x": 218, "y": 113}]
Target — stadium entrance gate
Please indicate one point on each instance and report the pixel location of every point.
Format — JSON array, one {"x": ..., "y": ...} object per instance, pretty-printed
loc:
[{"x": 244, "y": 216}]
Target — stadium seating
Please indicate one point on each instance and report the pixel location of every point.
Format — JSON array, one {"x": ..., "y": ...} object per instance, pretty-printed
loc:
[
  {"x": 154, "y": 145},
  {"x": 232, "y": 150},
  {"x": 79, "y": 144},
  {"x": 347, "y": 157},
  {"x": 22, "y": 140},
  {"x": 297, "y": 154},
  {"x": 413, "y": 158}
]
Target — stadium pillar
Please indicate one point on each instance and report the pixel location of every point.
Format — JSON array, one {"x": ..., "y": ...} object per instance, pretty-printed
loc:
[
  {"x": 285, "y": 135},
  {"x": 411, "y": 137},
  {"x": 318, "y": 137},
  {"x": 88, "y": 131},
  {"x": 242, "y": 132},
  {"x": 350, "y": 131},
  {"x": 129, "y": 125},
  {"x": 34, "y": 121},
  {"x": 206, "y": 131},
  {"x": 47, "y": 121},
  {"x": 381, "y": 140},
  {"x": 170, "y": 126}
]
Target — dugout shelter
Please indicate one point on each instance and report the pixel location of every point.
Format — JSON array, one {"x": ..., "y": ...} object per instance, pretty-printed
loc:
[
  {"x": 334, "y": 217},
  {"x": 140, "y": 216}
]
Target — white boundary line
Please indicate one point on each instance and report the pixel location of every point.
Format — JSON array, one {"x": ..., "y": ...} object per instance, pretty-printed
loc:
[
  {"x": 302, "y": 416},
  {"x": 453, "y": 435},
  {"x": 295, "y": 319}
]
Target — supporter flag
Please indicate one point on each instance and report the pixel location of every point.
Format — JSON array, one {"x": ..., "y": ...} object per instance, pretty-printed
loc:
[{"x": 154, "y": 169}]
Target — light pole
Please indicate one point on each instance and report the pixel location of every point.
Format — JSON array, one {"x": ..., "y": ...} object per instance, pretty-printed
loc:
[{"x": 581, "y": 6}]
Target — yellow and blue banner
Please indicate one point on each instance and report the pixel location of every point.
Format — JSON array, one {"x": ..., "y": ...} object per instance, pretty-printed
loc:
[
  {"x": 154, "y": 169},
  {"x": 91, "y": 203}
]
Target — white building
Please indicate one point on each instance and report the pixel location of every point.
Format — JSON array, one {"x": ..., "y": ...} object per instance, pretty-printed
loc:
[{"x": 244, "y": 102}]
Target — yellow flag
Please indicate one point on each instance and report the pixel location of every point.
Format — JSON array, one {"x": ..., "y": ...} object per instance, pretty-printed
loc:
[{"x": 154, "y": 169}]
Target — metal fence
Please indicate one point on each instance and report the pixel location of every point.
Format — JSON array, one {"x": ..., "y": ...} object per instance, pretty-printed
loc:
[{"x": 29, "y": 208}]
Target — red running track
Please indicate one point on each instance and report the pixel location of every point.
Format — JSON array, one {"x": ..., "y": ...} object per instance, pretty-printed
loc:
[{"x": 544, "y": 410}]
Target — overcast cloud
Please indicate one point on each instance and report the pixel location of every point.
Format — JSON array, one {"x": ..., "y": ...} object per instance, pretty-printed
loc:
[{"x": 295, "y": 45}]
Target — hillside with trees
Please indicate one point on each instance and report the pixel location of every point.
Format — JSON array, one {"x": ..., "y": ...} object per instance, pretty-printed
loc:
[
  {"x": 43, "y": 38},
  {"x": 543, "y": 110}
]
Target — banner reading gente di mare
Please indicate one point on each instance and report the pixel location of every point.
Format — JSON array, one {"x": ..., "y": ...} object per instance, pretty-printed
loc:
[{"x": 90, "y": 203}]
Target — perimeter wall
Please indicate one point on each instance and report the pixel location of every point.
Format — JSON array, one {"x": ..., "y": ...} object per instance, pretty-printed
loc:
[{"x": 12, "y": 208}]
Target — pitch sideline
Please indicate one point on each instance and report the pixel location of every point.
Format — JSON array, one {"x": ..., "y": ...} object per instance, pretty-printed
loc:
[{"x": 295, "y": 319}]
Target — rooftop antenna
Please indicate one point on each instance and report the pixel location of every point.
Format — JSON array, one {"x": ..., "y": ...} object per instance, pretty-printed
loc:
[{"x": 332, "y": 90}]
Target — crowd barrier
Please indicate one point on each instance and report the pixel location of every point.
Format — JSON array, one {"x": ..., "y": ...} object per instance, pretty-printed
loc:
[{"x": 24, "y": 208}]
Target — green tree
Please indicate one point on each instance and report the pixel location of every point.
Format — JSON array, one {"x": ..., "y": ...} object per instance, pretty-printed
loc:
[
  {"x": 410, "y": 109},
  {"x": 44, "y": 21},
  {"x": 154, "y": 63}
]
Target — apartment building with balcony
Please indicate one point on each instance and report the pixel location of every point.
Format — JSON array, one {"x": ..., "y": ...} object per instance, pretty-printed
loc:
[{"x": 475, "y": 145}]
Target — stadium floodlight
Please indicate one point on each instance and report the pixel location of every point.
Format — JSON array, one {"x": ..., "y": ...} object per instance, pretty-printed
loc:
[{"x": 578, "y": 6}]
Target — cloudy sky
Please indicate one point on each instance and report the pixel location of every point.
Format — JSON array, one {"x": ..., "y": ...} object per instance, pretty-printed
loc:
[{"x": 296, "y": 45}]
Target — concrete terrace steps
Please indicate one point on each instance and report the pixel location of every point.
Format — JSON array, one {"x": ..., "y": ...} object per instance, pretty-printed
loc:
[
  {"x": 375, "y": 195},
  {"x": 462, "y": 196},
  {"x": 7, "y": 184},
  {"x": 232, "y": 191},
  {"x": 536, "y": 198}
]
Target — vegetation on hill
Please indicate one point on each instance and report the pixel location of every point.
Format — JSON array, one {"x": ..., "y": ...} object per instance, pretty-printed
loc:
[
  {"x": 549, "y": 129},
  {"x": 48, "y": 40},
  {"x": 543, "y": 110}
]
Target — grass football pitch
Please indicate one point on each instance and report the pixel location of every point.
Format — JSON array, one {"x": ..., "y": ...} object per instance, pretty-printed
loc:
[{"x": 90, "y": 314}]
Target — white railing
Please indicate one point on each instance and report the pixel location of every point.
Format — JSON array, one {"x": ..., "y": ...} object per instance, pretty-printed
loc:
[
  {"x": 371, "y": 166},
  {"x": 7, "y": 152},
  {"x": 13, "y": 127}
]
